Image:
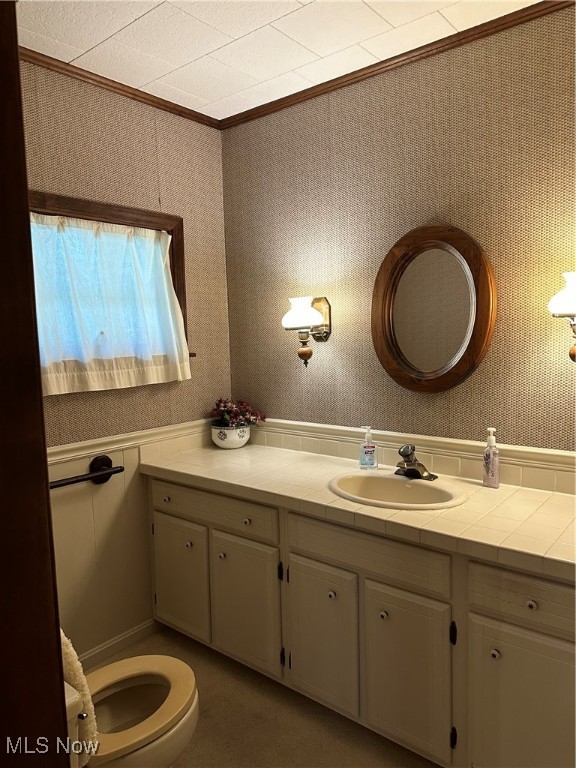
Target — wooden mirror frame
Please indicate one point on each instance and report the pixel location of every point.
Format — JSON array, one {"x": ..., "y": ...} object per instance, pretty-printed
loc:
[{"x": 401, "y": 254}]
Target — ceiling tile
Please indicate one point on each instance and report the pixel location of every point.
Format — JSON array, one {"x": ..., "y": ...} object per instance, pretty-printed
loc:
[
  {"x": 121, "y": 63},
  {"x": 276, "y": 88},
  {"x": 409, "y": 36},
  {"x": 209, "y": 79},
  {"x": 238, "y": 18},
  {"x": 79, "y": 24},
  {"x": 264, "y": 54},
  {"x": 469, "y": 13},
  {"x": 222, "y": 57},
  {"x": 172, "y": 35},
  {"x": 46, "y": 45},
  {"x": 231, "y": 105},
  {"x": 262, "y": 93},
  {"x": 337, "y": 64},
  {"x": 398, "y": 13},
  {"x": 158, "y": 88},
  {"x": 327, "y": 26}
]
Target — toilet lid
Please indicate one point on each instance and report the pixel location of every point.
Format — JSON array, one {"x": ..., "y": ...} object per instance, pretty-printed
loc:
[{"x": 182, "y": 691}]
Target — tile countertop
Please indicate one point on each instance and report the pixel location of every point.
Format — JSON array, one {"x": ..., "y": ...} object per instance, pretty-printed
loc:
[{"x": 523, "y": 528}]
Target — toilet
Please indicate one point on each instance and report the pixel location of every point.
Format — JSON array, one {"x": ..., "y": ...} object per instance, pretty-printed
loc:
[{"x": 146, "y": 711}]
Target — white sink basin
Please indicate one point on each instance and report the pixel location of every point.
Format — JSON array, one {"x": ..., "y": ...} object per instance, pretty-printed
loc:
[{"x": 382, "y": 489}]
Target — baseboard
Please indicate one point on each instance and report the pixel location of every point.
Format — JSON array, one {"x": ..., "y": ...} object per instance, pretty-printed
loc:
[{"x": 97, "y": 656}]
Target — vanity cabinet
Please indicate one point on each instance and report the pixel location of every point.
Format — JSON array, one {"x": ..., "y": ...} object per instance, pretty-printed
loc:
[
  {"x": 322, "y": 624},
  {"x": 408, "y": 668},
  {"x": 360, "y": 643},
  {"x": 210, "y": 582},
  {"x": 521, "y": 670},
  {"x": 468, "y": 664}
]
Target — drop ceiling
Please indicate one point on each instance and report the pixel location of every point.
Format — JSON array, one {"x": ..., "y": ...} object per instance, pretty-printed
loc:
[{"x": 224, "y": 57}]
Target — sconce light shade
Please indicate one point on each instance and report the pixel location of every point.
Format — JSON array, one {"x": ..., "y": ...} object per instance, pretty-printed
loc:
[
  {"x": 563, "y": 304},
  {"x": 308, "y": 316},
  {"x": 301, "y": 315}
]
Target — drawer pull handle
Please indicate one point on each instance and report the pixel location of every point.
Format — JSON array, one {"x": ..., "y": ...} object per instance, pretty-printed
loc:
[
  {"x": 222, "y": 555},
  {"x": 189, "y": 544},
  {"x": 532, "y": 605},
  {"x": 166, "y": 499},
  {"x": 495, "y": 653},
  {"x": 384, "y": 614},
  {"x": 331, "y": 594},
  {"x": 247, "y": 521}
]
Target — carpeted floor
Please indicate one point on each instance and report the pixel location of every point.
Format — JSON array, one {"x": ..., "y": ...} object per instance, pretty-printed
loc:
[{"x": 250, "y": 721}]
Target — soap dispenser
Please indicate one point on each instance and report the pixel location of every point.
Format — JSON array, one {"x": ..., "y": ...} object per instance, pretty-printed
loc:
[
  {"x": 368, "y": 458},
  {"x": 491, "y": 462}
]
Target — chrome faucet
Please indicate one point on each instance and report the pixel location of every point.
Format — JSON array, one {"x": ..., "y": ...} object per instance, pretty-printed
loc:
[{"x": 410, "y": 466}]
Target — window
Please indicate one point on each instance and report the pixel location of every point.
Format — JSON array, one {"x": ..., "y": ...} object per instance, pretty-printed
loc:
[{"x": 108, "y": 312}]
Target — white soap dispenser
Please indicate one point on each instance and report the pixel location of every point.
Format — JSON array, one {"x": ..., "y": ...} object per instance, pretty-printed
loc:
[
  {"x": 368, "y": 458},
  {"x": 491, "y": 462}
]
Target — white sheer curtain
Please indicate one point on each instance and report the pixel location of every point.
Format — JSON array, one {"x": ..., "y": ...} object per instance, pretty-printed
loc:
[{"x": 108, "y": 316}]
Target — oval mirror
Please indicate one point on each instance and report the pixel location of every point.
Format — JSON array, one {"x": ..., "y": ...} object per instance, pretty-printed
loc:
[{"x": 433, "y": 308}]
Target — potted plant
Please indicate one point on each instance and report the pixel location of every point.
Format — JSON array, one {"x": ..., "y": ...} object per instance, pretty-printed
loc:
[{"x": 231, "y": 422}]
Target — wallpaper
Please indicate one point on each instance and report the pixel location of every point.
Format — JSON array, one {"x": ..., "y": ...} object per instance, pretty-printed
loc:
[
  {"x": 480, "y": 137},
  {"x": 82, "y": 141}
]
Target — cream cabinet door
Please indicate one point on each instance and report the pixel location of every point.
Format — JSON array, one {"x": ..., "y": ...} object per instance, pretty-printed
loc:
[
  {"x": 407, "y": 689},
  {"x": 322, "y": 619},
  {"x": 521, "y": 697},
  {"x": 181, "y": 575},
  {"x": 246, "y": 601}
]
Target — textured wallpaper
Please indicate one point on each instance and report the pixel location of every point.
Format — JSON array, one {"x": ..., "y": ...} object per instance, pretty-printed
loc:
[
  {"x": 82, "y": 141},
  {"x": 481, "y": 137}
]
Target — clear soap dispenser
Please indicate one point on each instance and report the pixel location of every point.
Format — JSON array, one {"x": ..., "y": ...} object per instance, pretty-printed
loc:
[
  {"x": 491, "y": 461},
  {"x": 368, "y": 458}
]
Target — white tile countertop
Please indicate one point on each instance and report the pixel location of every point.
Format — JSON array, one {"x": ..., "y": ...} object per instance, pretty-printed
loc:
[{"x": 525, "y": 528}]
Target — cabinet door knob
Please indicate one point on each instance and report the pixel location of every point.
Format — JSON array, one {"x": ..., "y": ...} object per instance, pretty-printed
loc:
[
  {"x": 331, "y": 594},
  {"x": 383, "y": 614},
  {"x": 531, "y": 604},
  {"x": 189, "y": 544},
  {"x": 222, "y": 555},
  {"x": 495, "y": 653},
  {"x": 247, "y": 521},
  {"x": 166, "y": 499}
]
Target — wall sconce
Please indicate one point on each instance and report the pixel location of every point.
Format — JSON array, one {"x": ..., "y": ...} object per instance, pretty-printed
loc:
[
  {"x": 563, "y": 304},
  {"x": 310, "y": 317}
]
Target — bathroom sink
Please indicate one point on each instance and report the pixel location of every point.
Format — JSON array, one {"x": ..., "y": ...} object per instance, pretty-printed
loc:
[{"x": 382, "y": 489}]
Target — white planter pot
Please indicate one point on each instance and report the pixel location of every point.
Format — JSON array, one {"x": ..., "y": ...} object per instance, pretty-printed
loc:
[{"x": 230, "y": 437}]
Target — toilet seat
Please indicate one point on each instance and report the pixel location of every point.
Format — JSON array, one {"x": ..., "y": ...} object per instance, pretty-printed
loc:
[{"x": 181, "y": 695}]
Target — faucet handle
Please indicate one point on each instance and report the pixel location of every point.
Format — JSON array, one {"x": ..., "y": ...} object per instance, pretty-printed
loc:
[{"x": 407, "y": 452}]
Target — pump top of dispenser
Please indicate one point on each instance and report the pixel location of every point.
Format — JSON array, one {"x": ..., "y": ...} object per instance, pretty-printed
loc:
[
  {"x": 368, "y": 438},
  {"x": 491, "y": 436}
]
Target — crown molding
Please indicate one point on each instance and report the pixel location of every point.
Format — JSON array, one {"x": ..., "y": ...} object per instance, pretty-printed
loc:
[
  {"x": 63, "y": 68},
  {"x": 440, "y": 46},
  {"x": 431, "y": 49}
]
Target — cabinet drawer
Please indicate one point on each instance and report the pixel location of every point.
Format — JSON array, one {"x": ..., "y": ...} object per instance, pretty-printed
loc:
[
  {"x": 526, "y": 600},
  {"x": 255, "y": 521},
  {"x": 403, "y": 564}
]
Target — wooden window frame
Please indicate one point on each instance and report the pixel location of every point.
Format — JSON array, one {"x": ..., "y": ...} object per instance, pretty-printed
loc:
[{"x": 78, "y": 208}]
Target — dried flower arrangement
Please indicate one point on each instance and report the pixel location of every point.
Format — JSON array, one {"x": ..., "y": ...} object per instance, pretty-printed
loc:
[{"x": 234, "y": 413}]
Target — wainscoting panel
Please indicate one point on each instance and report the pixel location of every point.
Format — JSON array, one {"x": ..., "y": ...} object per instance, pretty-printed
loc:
[{"x": 101, "y": 550}]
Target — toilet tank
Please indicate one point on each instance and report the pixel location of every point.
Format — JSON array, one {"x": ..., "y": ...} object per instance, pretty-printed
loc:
[{"x": 73, "y": 709}]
